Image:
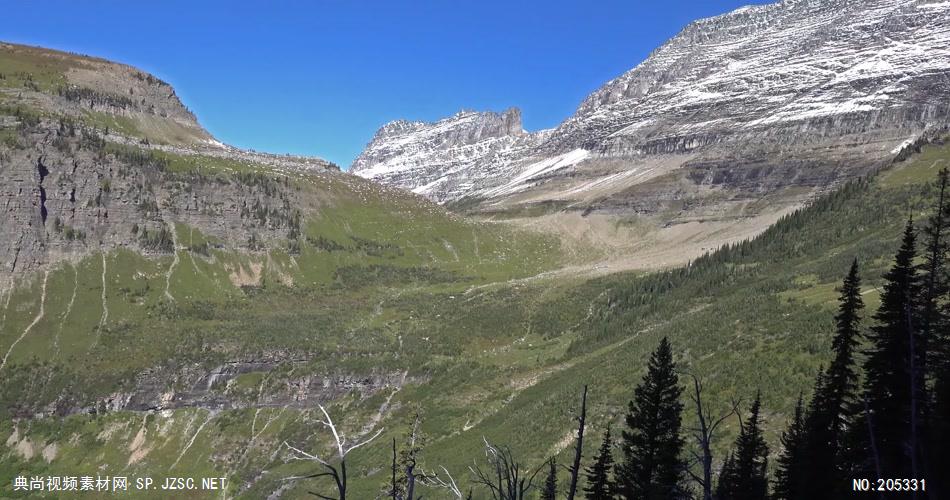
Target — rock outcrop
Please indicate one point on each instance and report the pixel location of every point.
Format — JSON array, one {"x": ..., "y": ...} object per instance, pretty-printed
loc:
[{"x": 96, "y": 156}]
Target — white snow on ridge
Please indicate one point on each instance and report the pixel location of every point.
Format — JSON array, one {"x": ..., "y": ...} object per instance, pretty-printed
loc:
[
  {"x": 551, "y": 164},
  {"x": 755, "y": 76},
  {"x": 428, "y": 187},
  {"x": 903, "y": 145},
  {"x": 538, "y": 169}
]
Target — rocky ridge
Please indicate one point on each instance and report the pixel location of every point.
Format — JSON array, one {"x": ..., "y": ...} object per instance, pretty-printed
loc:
[
  {"x": 788, "y": 98},
  {"x": 96, "y": 156},
  {"x": 444, "y": 159}
]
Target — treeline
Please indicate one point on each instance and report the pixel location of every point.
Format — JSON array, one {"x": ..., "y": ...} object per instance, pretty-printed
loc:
[
  {"x": 887, "y": 417},
  {"x": 877, "y": 421},
  {"x": 831, "y": 221}
]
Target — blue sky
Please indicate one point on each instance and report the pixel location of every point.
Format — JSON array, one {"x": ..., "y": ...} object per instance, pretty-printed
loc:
[{"x": 319, "y": 77}]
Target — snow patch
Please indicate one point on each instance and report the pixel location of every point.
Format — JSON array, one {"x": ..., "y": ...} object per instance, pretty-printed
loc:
[
  {"x": 902, "y": 145},
  {"x": 540, "y": 168}
]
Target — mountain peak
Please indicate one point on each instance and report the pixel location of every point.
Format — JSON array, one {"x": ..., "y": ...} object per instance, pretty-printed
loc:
[
  {"x": 791, "y": 97},
  {"x": 424, "y": 154}
]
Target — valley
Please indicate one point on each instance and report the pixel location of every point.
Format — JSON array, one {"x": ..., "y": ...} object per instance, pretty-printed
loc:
[{"x": 171, "y": 306}]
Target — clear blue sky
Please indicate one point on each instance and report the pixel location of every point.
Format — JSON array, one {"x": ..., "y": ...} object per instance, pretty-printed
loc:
[{"x": 319, "y": 77}]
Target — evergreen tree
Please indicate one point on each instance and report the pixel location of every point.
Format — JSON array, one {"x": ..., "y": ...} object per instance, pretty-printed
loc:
[
  {"x": 939, "y": 435},
  {"x": 790, "y": 478},
  {"x": 833, "y": 403},
  {"x": 599, "y": 484},
  {"x": 890, "y": 372},
  {"x": 652, "y": 467},
  {"x": 549, "y": 492},
  {"x": 745, "y": 478},
  {"x": 841, "y": 377},
  {"x": 935, "y": 331},
  {"x": 934, "y": 267},
  {"x": 726, "y": 477}
]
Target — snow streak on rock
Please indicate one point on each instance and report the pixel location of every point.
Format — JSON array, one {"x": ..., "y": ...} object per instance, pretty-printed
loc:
[{"x": 800, "y": 92}]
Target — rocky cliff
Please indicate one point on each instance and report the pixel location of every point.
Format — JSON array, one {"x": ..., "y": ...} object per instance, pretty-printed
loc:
[
  {"x": 96, "y": 156},
  {"x": 788, "y": 98}
]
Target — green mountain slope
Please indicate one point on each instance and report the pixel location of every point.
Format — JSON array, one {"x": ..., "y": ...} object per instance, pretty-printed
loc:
[
  {"x": 192, "y": 349},
  {"x": 96, "y": 91}
]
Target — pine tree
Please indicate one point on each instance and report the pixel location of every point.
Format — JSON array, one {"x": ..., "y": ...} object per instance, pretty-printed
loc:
[
  {"x": 833, "y": 404},
  {"x": 599, "y": 484},
  {"x": 890, "y": 371},
  {"x": 745, "y": 478},
  {"x": 727, "y": 477},
  {"x": 841, "y": 376},
  {"x": 939, "y": 432},
  {"x": 934, "y": 267},
  {"x": 935, "y": 331},
  {"x": 790, "y": 478},
  {"x": 652, "y": 467},
  {"x": 549, "y": 492}
]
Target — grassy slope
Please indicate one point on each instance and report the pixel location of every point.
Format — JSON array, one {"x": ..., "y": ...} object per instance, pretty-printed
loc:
[
  {"x": 385, "y": 283},
  {"x": 29, "y": 74},
  {"x": 503, "y": 361},
  {"x": 320, "y": 304}
]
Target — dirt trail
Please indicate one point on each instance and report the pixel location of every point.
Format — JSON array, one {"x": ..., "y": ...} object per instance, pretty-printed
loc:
[
  {"x": 36, "y": 320},
  {"x": 381, "y": 413},
  {"x": 6, "y": 306},
  {"x": 69, "y": 310},
  {"x": 211, "y": 415},
  {"x": 105, "y": 302}
]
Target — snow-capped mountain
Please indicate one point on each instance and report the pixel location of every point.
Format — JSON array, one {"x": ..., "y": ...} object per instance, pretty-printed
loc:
[
  {"x": 445, "y": 160},
  {"x": 796, "y": 94}
]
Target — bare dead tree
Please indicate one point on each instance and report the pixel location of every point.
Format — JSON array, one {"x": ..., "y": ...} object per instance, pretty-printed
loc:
[
  {"x": 337, "y": 470},
  {"x": 703, "y": 433},
  {"x": 505, "y": 480},
  {"x": 412, "y": 450},
  {"x": 576, "y": 466},
  {"x": 436, "y": 481},
  {"x": 403, "y": 487},
  {"x": 393, "y": 489}
]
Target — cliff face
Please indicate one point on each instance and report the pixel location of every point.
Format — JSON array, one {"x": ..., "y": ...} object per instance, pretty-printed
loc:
[
  {"x": 799, "y": 94},
  {"x": 96, "y": 156}
]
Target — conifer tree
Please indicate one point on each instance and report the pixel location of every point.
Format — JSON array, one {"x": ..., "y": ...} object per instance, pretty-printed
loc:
[
  {"x": 652, "y": 467},
  {"x": 939, "y": 433},
  {"x": 745, "y": 477},
  {"x": 841, "y": 376},
  {"x": 833, "y": 403},
  {"x": 599, "y": 484},
  {"x": 935, "y": 333},
  {"x": 790, "y": 478},
  {"x": 726, "y": 477},
  {"x": 893, "y": 386},
  {"x": 549, "y": 491},
  {"x": 934, "y": 267}
]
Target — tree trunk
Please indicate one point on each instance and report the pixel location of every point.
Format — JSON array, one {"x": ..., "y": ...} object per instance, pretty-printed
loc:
[{"x": 576, "y": 467}]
